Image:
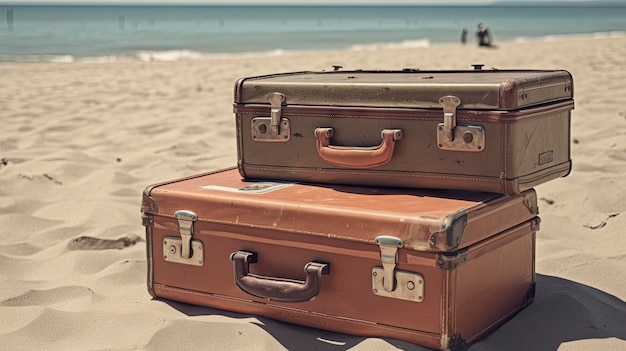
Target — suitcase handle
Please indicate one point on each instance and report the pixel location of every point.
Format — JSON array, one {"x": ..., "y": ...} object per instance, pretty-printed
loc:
[
  {"x": 357, "y": 156},
  {"x": 277, "y": 289}
]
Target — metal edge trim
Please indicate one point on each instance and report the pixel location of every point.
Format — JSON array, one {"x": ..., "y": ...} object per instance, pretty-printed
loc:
[
  {"x": 448, "y": 299},
  {"x": 237, "y": 89},
  {"x": 240, "y": 144},
  {"x": 150, "y": 259}
]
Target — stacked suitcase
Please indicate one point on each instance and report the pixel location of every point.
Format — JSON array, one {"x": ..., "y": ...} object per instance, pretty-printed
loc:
[{"x": 393, "y": 204}]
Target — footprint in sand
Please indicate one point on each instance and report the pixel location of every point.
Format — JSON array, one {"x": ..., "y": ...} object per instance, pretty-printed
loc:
[{"x": 91, "y": 243}]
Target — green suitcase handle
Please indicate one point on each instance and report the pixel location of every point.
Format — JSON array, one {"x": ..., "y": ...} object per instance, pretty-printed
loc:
[
  {"x": 357, "y": 156},
  {"x": 277, "y": 289}
]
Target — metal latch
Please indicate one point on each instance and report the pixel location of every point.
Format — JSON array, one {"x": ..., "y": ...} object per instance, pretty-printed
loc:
[
  {"x": 273, "y": 128},
  {"x": 450, "y": 103},
  {"x": 276, "y": 103},
  {"x": 185, "y": 227},
  {"x": 184, "y": 249},
  {"x": 261, "y": 130},
  {"x": 388, "y": 281},
  {"x": 451, "y": 136},
  {"x": 389, "y": 256}
]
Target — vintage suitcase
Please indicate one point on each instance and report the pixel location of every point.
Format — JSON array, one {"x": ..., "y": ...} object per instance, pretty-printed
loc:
[
  {"x": 435, "y": 268},
  {"x": 500, "y": 131}
]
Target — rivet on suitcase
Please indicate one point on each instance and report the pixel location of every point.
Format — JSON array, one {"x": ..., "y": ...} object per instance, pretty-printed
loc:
[
  {"x": 502, "y": 131},
  {"x": 436, "y": 268}
]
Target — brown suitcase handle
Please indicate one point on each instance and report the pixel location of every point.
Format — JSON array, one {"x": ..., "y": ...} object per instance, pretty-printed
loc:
[
  {"x": 277, "y": 289},
  {"x": 357, "y": 157}
]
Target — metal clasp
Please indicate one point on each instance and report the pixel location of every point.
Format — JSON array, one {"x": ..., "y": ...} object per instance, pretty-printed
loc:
[
  {"x": 451, "y": 136},
  {"x": 261, "y": 132},
  {"x": 450, "y": 103},
  {"x": 387, "y": 281},
  {"x": 184, "y": 250},
  {"x": 276, "y": 103},
  {"x": 389, "y": 246},
  {"x": 185, "y": 227}
]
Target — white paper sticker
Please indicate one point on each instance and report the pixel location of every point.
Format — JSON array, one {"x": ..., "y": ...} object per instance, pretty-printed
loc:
[{"x": 254, "y": 188}]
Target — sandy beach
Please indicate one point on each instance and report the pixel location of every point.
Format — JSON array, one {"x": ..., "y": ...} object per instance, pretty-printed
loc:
[{"x": 80, "y": 141}]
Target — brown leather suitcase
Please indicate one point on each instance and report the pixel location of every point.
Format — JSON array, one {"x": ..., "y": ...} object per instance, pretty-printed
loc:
[
  {"x": 436, "y": 268},
  {"x": 500, "y": 131}
]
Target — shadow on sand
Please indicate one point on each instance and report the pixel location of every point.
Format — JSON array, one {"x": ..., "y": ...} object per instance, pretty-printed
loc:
[{"x": 562, "y": 311}]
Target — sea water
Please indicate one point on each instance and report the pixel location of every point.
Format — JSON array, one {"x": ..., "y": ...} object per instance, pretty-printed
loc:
[{"x": 160, "y": 33}]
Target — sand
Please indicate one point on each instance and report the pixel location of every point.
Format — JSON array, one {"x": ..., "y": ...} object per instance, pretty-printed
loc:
[{"x": 79, "y": 142}]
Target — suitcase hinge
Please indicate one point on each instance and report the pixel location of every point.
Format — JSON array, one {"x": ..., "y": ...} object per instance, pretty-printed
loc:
[
  {"x": 534, "y": 224},
  {"x": 184, "y": 250},
  {"x": 147, "y": 220},
  {"x": 388, "y": 281},
  {"x": 452, "y": 260},
  {"x": 451, "y": 136}
]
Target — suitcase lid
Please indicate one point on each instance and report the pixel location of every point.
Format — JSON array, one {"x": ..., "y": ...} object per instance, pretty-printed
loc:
[
  {"x": 411, "y": 88},
  {"x": 424, "y": 220}
]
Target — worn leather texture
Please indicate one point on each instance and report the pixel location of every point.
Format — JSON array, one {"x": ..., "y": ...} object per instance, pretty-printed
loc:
[
  {"x": 525, "y": 116},
  {"x": 475, "y": 252}
]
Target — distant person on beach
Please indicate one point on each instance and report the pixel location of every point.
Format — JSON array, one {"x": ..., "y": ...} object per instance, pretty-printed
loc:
[
  {"x": 464, "y": 36},
  {"x": 483, "y": 35}
]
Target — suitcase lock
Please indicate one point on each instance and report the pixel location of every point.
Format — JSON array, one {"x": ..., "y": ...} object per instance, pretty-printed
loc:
[
  {"x": 388, "y": 281},
  {"x": 451, "y": 136},
  {"x": 184, "y": 250},
  {"x": 279, "y": 128}
]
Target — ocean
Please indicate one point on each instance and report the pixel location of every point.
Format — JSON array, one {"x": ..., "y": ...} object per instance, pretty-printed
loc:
[{"x": 165, "y": 33}]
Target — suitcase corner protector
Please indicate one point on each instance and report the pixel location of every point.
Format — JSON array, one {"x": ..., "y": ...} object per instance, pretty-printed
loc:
[
  {"x": 151, "y": 291},
  {"x": 451, "y": 232},
  {"x": 454, "y": 343}
]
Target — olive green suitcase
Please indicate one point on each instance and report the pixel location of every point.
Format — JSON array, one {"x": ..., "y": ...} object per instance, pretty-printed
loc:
[{"x": 502, "y": 131}]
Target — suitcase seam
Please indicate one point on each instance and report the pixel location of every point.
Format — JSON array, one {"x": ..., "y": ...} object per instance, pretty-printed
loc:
[{"x": 416, "y": 114}]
